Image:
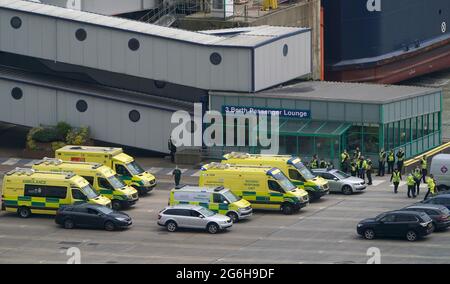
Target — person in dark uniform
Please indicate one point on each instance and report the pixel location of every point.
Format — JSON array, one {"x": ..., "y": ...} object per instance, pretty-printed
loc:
[
  {"x": 345, "y": 161},
  {"x": 424, "y": 166},
  {"x": 172, "y": 149},
  {"x": 353, "y": 168},
  {"x": 323, "y": 164},
  {"x": 382, "y": 163},
  {"x": 395, "y": 179},
  {"x": 400, "y": 160},
  {"x": 391, "y": 161},
  {"x": 177, "y": 176},
  {"x": 314, "y": 164},
  {"x": 417, "y": 173},
  {"x": 369, "y": 169}
]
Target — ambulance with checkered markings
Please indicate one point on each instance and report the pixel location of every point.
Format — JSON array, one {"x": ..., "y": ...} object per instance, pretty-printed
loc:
[
  {"x": 102, "y": 178},
  {"x": 27, "y": 192},
  {"x": 263, "y": 187},
  {"x": 218, "y": 199}
]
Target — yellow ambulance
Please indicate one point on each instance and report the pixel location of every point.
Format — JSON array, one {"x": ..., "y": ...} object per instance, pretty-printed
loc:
[
  {"x": 218, "y": 199},
  {"x": 291, "y": 166},
  {"x": 124, "y": 165},
  {"x": 263, "y": 187},
  {"x": 102, "y": 178},
  {"x": 28, "y": 192}
]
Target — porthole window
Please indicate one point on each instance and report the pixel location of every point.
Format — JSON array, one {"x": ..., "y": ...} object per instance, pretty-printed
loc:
[
  {"x": 160, "y": 84},
  {"x": 16, "y": 22},
  {"x": 81, "y": 34},
  {"x": 133, "y": 44},
  {"x": 17, "y": 93},
  {"x": 215, "y": 58},
  {"x": 134, "y": 116},
  {"x": 82, "y": 106},
  {"x": 285, "y": 50}
]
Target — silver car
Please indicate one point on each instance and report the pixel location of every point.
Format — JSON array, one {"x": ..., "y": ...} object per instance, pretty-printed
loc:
[
  {"x": 193, "y": 217},
  {"x": 341, "y": 182}
]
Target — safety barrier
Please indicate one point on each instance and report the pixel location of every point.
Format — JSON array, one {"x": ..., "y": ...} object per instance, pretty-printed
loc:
[{"x": 429, "y": 154}]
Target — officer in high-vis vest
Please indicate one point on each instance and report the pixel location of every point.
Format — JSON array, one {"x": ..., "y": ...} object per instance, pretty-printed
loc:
[
  {"x": 382, "y": 156},
  {"x": 431, "y": 187},
  {"x": 314, "y": 164},
  {"x": 395, "y": 179},
  {"x": 391, "y": 161},
  {"x": 353, "y": 168},
  {"x": 411, "y": 183},
  {"x": 417, "y": 173},
  {"x": 400, "y": 160},
  {"x": 362, "y": 165},
  {"x": 424, "y": 166},
  {"x": 345, "y": 161},
  {"x": 369, "y": 168}
]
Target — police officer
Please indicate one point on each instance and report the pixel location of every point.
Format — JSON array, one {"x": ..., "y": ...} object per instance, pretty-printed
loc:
[
  {"x": 381, "y": 163},
  {"x": 395, "y": 179},
  {"x": 314, "y": 164},
  {"x": 356, "y": 154},
  {"x": 362, "y": 165},
  {"x": 369, "y": 169},
  {"x": 177, "y": 176},
  {"x": 345, "y": 159},
  {"x": 353, "y": 168},
  {"x": 400, "y": 160},
  {"x": 417, "y": 173},
  {"x": 391, "y": 161},
  {"x": 431, "y": 187},
  {"x": 323, "y": 164},
  {"x": 411, "y": 183},
  {"x": 172, "y": 149},
  {"x": 424, "y": 166}
]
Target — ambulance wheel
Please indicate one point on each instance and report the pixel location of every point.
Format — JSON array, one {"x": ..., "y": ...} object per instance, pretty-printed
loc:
[
  {"x": 233, "y": 216},
  {"x": 212, "y": 228},
  {"x": 69, "y": 224},
  {"x": 171, "y": 226},
  {"x": 24, "y": 212},
  {"x": 109, "y": 226},
  {"x": 287, "y": 209},
  {"x": 116, "y": 206}
]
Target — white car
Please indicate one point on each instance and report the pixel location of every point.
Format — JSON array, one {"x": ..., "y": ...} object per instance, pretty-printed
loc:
[
  {"x": 341, "y": 182},
  {"x": 193, "y": 217}
]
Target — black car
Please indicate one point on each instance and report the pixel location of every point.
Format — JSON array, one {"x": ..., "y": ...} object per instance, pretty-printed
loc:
[
  {"x": 410, "y": 224},
  {"x": 441, "y": 199},
  {"x": 438, "y": 213},
  {"x": 92, "y": 216}
]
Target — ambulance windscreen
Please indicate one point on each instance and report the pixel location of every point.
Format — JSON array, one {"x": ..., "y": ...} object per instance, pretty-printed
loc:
[
  {"x": 284, "y": 182},
  {"x": 134, "y": 168}
]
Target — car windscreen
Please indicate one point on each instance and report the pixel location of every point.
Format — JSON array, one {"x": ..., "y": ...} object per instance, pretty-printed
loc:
[
  {"x": 341, "y": 175},
  {"x": 284, "y": 182},
  {"x": 105, "y": 210},
  {"x": 444, "y": 210},
  {"x": 206, "y": 212},
  {"x": 134, "y": 168},
  {"x": 116, "y": 182},
  {"x": 90, "y": 192},
  {"x": 230, "y": 196},
  {"x": 425, "y": 217},
  {"x": 304, "y": 171}
]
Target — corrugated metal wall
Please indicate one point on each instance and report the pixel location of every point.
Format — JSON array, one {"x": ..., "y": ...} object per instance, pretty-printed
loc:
[{"x": 412, "y": 107}]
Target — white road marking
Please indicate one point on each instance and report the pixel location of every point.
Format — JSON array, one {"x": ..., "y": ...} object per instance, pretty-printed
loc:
[
  {"x": 378, "y": 182},
  {"x": 11, "y": 162},
  {"x": 154, "y": 170},
  {"x": 196, "y": 174}
]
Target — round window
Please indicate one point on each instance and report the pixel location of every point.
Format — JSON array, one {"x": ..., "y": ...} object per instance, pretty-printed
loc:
[
  {"x": 17, "y": 93},
  {"x": 285, "y": 50},
  {"x": 215, "y": 58},
  {"x": 16, "y": 22},
  {"x": 134, "y": 116},
  {"x": 81, "y": 34},
  {"x": 82, "y": 106},
  {"x": 133, "y": 44}
]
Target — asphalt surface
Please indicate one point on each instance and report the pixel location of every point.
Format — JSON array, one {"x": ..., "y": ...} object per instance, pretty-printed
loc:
[{"x": 323, "y": 232}]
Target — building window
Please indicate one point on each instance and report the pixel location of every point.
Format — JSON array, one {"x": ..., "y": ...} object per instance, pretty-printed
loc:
[
  {"x": 134, "y": 116},
  {"x": 215, "y": 58},
  {"x": 16, "y": 22},
  {"x": 133, "y": 44},
  {"x": 285, "y": 50},
  {"x": 81, "y": 34},
  {"x": 218, "y": 4},
  {"x": 17, "y": 93},
  {"x": 160, "y": 84},
  {"x": 82, "y": 106}
]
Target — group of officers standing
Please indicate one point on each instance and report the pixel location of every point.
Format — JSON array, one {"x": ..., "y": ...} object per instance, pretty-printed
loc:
[{"x": 358, "y": 166}]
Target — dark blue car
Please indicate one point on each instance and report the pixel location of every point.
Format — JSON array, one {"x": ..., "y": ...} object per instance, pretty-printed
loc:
[{"x": 441, "y": 199}]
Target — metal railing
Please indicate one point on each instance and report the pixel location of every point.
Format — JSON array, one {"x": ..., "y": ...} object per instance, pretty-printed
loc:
[{"x": 166, "y": 13}]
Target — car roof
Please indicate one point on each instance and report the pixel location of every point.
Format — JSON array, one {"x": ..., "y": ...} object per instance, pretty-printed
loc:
[
  {"x": 427, "y": 206},
  {"x": 445, "y": 195},
  {"x": 85, "y": 205},
  {"x": 184, "y": 206},
  {"x": 406, "y": 212}
]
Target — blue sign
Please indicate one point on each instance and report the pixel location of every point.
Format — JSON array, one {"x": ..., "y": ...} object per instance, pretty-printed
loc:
[{"x": 286, "y": 113}]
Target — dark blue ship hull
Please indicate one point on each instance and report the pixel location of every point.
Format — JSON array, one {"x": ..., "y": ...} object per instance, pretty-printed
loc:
[{"x": 385, "y": 41}]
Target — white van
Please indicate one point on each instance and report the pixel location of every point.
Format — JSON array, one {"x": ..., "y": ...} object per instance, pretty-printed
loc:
[{"x": 440, "y": 169}]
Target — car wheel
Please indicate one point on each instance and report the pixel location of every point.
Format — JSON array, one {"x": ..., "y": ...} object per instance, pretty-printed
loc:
[
  {"x": 212, "y": 228},
  {"x": 369, "y": 234},
  {"x": 411, "y": 236},
  {"x": 171, "y": 226},
  {"x": 287, "y": 209},
  {"x": 116, "y": 206},
  {"x": 24, "y": 212},
  {"x": 109, "y": 226},
  {"x": 233, "y": 216},
  {"x": 347, "y": 190},
  {"x": 69, "y": 224}
]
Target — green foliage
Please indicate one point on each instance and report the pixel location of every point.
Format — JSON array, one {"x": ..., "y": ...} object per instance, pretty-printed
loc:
[
  {"x": 31, "y": 144},
  {"x": 79, "y": 136},
  {"x": 60, "y": 135},
  {"x": 63, "y": 129},
  {"x": 46, "y": 135},
  {"x": 57, "y": 145}
]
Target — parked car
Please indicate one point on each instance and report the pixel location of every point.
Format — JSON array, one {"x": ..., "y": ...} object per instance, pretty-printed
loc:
[
  {"x": 339, "y": 181},
  {"x": 438, "y": 213},
  {"x": 441, "y": 199},
  {"x": 408, "y": 224},
  {"x": 193, "y": 217},
  {"x": 92, "y": 216}
]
